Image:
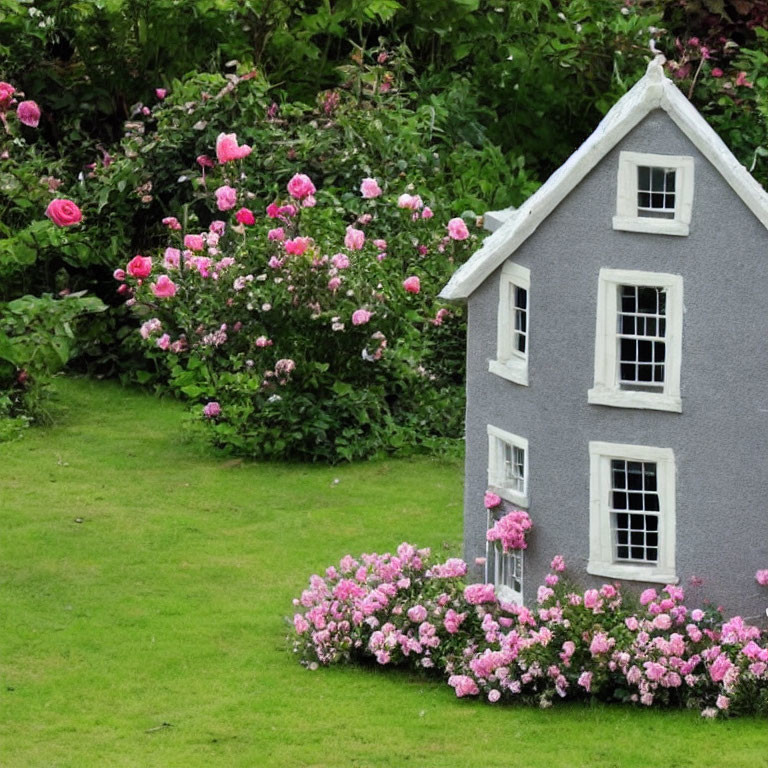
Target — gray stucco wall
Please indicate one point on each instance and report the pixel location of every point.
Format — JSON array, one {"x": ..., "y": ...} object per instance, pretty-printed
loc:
[{"x": 719, "y": 439}]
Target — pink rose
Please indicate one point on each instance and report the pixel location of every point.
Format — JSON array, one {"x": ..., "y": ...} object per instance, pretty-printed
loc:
[
  {"x": 591, "y": 599},
  {"x": 276, "y": 234},
  {"x": 297, "y": 246},
  {"x": 585, "y": 681},
  {"x": 558, "y": 563},
  {"x": 340, "y": 261},
  {"x": 6, "y": 94},
  {"x": 194, "y": 242},
  {"x": 226, "y": 197},
  {"x": 717, "y": 72},
  {"x": 354, "y": 239},
  {"x": 63, "y": 212},
  {"x": 417, "y": 614},
  {"x": 301, "y": 186},
  {"x": 161, "y": 93},
  {"x": 211, "y": 410},
  {"x": 491, "y": 500},
  {"x": 411, "y": 202},
  {"x": 361, "y": 316},
  {"x": 171, "y": 258},
  {"x": 457, "y": 229},
  {"x": 412, "y": 284},
  {"x": 369, "y": 188},
  {"x": 273, "y": 210},
  {"x": 245, "y": 216},
  {"x": 334, "y": 283},
  {"x": 163, "y": 342},
  {"x": 227, "y": 149},
  {"x": 309, "y": 202},
  {"x": 172, "y": 222},
  {"x": 204, "y": 161},
  {"x": 29, "y": 113},
  {"x": 648, "y": 596},
  {"x": 217, "y": 226},
  {"x": 139, "y": 267},
  {"x": 119, "y": 274},
  {"x": 761, "y": 577},
  {"x": 427, "y": 213},
  {"x": 164, "y": 288}
]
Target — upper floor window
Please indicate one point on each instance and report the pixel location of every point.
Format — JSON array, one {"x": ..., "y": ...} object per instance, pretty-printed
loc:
[
  {"x": 638, "y": 340},
  {"x": 654, "y": 193},
  {"x": 508, "y": 465},
  {"x": 512, "y": 324}
]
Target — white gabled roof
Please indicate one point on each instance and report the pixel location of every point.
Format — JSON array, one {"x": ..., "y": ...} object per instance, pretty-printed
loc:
[{"x": 653, "y": 91}]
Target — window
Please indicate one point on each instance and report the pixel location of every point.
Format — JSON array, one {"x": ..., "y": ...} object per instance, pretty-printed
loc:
[
  {"x": 504, "y": 569},
  {"x": 508, "y": 465},
  {"x": 638, "y": 340},
  {"x": 513, "y": 321},
  {"x": 654, "y": 193},
  {"x": 632, "y": 512}
]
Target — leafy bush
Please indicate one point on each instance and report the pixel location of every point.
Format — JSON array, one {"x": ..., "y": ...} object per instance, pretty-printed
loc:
[{"x": 409, "y": 609}]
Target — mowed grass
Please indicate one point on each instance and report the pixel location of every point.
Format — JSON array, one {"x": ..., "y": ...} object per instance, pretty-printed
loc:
[{"x": 152, "y": 633}]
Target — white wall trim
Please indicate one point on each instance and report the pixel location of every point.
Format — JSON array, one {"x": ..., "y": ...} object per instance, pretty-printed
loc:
[
  {"x": 653, "y": 91},
  {"x": 496, "y": 438},
  {"x": 601, "y": 553},
  {"x": 510, "y": 363},
  {"x": 606, "y": 389}
]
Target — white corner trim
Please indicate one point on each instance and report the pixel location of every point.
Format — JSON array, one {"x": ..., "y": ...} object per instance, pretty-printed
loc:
[
  {"x": 606, "y": 389},
  {"x": 492, "y": 220},
  {"x": 627, "y": 217},
  {"x": 653, "y": 91},
  {"x": 601, "y": 554},
  {"x": 496, "y": 439}
]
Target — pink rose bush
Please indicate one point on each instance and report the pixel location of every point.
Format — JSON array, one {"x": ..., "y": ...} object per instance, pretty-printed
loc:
[
  {"x": 63, "y": 212},
  {"x": 358, "y": 332},
  {"x": 409, "y": 609}
]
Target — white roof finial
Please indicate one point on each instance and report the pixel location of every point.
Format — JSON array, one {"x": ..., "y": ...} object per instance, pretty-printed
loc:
[{"x": 655, "y": 69}]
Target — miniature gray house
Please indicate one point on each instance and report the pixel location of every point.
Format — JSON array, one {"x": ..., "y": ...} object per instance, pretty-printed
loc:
[{"x": 617, "y": 363}]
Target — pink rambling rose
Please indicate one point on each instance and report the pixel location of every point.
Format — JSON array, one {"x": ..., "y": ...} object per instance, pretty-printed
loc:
[
  {"x": 476, "y": 594},
  {"x": 228, "y": 151},
  {"x": 558, "y": 563},
  {"x": 662, "y": 621},
  {"x": 301, "y": 186},
  {"x": 722, "y": 702},
  {"x": 457, "y": 229},
  {"x": 172, "y": 222},
  {"x": 139, "y": 267},
  {"x": 63, "y": 212},
  {"x": 361, "y": 316},
  {"x": 226, "y": 197},
  {"x": 284, "y": 367},
  {"x": 204, "y": 162},
  {"x": 369, "y": 188},
  {"x": 648, "y": 596},
  {"x": 273, "y": 210},
  {"x": 417, "y": 614},
  {"x": 591, "y": 599},
  {"x": 354, "y": 239},
  {"x": 163, "y": 342},
  {"x": 6, "y": 94},
  {"x": 277, "y": 234},
  {"x": 297, "y": 246},
  {"x": 245, "y": 216},
  {"x": 161, "y": 93},
  {"x": 164, "y": 288},
  {"x": 119, "y": 274},
  {"x": 171, "y": 258},
  {"x": 212, "y": 410},
  {"x": 194, "y": 242},
  {"x": 761, "y": 577},
  {"x": 585, "y": 681},
  {"x": 412, "y": 284},
  {"x": 463, "y": 685},
  {"x": 28, "y": 113},
  {"x": 217, "y": 226},
  {"x": 410, "y": 202},
  {"x": 334, "y": 283},
  {"x": 491, "y": 500},
  {"x": 340, "y": 260}
]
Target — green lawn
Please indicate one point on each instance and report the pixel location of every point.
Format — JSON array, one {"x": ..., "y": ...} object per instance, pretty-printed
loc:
[{"x": 143, "y": 595}]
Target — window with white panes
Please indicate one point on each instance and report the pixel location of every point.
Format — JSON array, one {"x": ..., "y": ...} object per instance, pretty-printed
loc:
[
  {"x": 504, "y": 569},
  {"x": 638, "y": 340},
  {"x": 513, "y": 325},
  {"x": 632, "y": 512},
  {"x": 654, "y": 193},
  {"x": 508, "y": 465}
]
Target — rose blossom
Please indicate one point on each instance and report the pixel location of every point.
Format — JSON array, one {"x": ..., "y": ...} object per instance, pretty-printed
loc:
[
  {"x": 29, "y": 113},
  {"x": 63, "y": 212},
  {"x": 369, "y": 188},
  {"x": 163, "y": 342},
  {"x": 411, "y": 202},
  {"x": 412, "y": 284},
  {"x": 164, "y": 288},
  {"x": 334, "y": 283},
  {"x": 761, "y": 577},
  {"x": 119, "y": 274},
  {"x": 301, "y": 186},
  {"x": 171, "y": 258},
  {"x": 245, "y": 216},
  {"x": 172, "y": 222},
  {"x": 276, "y": 234},
  {"x": 457, "y": 229},
  {"x": 139, "y": 267},
  {"x": 361, "y": 316},
  {"x": 204, "y": 161},
  {"x": 226, "y": 197},
  {"x": 161, "y": 93},
  {"x": 194, "y": 242},
  {"x": 6, "y": 94},
  {"x": 211, "y": 410},
  {"x": 491, "y": 500},
  {"x": 354, "y": 239},
  {"x": 227, "y": 149}
]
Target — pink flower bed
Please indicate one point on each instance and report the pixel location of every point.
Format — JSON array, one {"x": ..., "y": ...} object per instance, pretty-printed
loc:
[{"x": 407, "y": 608}]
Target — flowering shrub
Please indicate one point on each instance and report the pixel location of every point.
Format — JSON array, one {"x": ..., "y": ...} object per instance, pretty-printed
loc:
[
  {"x": 313, "y": 336},
  {"x": 407, "y": 608}
]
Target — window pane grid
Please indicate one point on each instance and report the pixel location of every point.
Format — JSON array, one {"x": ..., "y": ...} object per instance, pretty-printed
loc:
[
  {"x": 513, "y": 459},
  {"x": 656, "y": 192},
  {"x": 519, "y": 302},
  {"x": 634, "y": 510},
  {"x": 641, "y": 337},
  {"x": 506, "y": 568}
]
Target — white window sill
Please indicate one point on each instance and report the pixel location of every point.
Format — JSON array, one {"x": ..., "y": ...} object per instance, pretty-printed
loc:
[
  {"x": 513, "y": 370},
  {"x": 631, "y": 572},
  {"x": 651, "y": 225},
  {"x": 624, "y": 398},
  {"x": 513, "y": 497},
  {"x": 506, "y": 594}
]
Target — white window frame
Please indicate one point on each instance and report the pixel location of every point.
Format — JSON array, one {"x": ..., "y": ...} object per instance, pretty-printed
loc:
[
  {"x": 499, "y": 566},
  {"x": 627, "y": 217},
  {"x": 606, "y": 389},
  {"x": 510, "y": 363},
  {"x": 497, "y": 438},
  {"x": 602, "y": 561}
]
